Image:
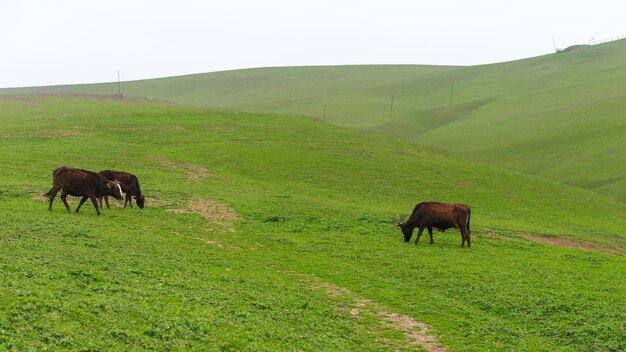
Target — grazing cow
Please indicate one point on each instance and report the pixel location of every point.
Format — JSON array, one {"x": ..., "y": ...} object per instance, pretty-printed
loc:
[
  {"x": 130, "y": 186},
  {"x": 78, "y": 182},
  {"x": 440, "y": 216}
]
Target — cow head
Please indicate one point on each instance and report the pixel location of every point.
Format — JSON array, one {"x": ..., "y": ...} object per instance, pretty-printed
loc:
[
  {"x": 115, "y": 190},
  {"x": 140, "y": 200},
  {"x": 407, "y": 230}
]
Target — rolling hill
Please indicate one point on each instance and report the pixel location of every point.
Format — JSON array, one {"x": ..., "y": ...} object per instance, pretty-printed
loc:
[
  {"x": 559, "y": 116},
  {"x": 270, "y": 232}
]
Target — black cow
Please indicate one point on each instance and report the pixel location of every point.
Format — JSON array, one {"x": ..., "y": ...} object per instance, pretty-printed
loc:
[
  {"x": 78, "y": 182},
  {"x": 129, "y": 184},
  {"x": 440, "y": 216}
]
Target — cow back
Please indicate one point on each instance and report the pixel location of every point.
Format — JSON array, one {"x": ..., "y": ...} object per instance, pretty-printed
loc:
[
  {"x": 78, "y": 182},
  {"x": 440, "y": 215}
]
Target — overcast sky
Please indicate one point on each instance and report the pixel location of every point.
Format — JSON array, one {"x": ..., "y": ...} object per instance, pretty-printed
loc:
[{"x": 61, "y": 42}]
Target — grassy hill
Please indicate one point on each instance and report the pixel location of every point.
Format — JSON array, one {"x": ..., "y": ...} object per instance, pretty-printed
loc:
[
  {"x": 559, "y": 116},
  {"x": 267, "y": 232}
]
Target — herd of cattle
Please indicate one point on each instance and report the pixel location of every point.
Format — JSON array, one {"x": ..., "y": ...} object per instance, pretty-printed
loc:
[{"x": 96, "y": 186}]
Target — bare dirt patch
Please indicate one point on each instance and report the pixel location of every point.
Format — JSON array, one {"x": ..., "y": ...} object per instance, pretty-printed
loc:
[
  {"x": 495, "y": 237},
  {"x": 213, "y": 211},
  {"x": 40, "y": 196},
  {"x": 60, "y": 133},
  {"x": 197, "y": 173},
  {"x": 194, "y": 172},
  {"x": 551, "y": 240},
  {"x": 164, "y": 162},
  {"x": 559, "y": 241},
  {"x": 218, "y": 214},
  {"x": 415, "y": 332},
  {"x": 566, "y": 242}
]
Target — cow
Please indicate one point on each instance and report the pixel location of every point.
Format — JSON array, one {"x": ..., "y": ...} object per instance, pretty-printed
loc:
[
  {"x": 79, "y": 182},
  {"x": 130, "y": 186},
  {"x": 440, "y": 216}
]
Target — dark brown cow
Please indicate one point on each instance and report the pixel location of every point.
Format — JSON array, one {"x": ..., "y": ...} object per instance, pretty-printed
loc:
[
  {"x": 78, "y": 182},
  {"x": 130, "y": 186},
  {"x": 440, "y": 216}
]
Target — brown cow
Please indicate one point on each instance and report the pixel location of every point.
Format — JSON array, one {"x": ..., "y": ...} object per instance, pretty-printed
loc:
[
  {"x": 440, "y": 216},
  {"x": 78, "y": 182},
  {"x": 129, "y": 184}
]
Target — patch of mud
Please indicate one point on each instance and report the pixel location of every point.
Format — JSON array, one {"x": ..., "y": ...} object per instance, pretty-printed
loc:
[{"x": 416, "y": 333}]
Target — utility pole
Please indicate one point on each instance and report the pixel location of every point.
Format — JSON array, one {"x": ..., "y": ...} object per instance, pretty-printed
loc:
[
  {"x": 391, "y": 108},
  {"x": 324, "y": 112},
  {"x": 451, "y": 90},
  {"x": 119, "y": 90}
]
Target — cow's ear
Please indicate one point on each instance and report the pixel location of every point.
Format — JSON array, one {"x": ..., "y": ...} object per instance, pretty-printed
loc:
[{"x": 109, "y": 185}]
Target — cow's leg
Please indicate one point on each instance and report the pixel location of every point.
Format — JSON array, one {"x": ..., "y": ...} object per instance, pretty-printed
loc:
[
  {"x": 95, "y": 204},
  {"x": 80, "y": 204},
  {"x": 462, "y": 238},
  {"x": 63, "y": 198},
  {"x": 430, "y": 233},
  {"x": 419, "y": 234},
  {"x": 106, "y": 200},
  {"x": 128, "y": 200},
  {"x": 467, "y": 236},
  {"x": 52, "y": 195}
]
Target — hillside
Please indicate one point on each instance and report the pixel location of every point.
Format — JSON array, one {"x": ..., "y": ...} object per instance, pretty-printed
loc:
[
  {"x": 559, "y": 116},
  {"x": 268, "y": 232}
]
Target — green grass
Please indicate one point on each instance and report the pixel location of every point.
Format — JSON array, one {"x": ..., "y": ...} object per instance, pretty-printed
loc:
[
  {"x": 559, "y": 116},
  {"x": 312, "y": 200}
]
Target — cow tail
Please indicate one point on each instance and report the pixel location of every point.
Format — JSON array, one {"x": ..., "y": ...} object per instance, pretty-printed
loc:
[
  {"x": 469, "y": 212},
  {"x": 47, "y": 194}
]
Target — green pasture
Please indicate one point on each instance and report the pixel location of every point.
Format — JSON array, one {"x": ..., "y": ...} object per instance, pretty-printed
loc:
[
  {"x": 250, "y": 215},
  {"x": 560, "y": 116}
]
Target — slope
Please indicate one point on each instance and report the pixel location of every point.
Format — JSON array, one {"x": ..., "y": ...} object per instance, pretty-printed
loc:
[
  {"x": 244, "y": 211},
  {"x": 559, "y": 116}
]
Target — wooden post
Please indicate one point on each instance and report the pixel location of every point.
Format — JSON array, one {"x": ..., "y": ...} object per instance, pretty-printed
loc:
[
  {"x": 324, "y": 112},
  {"x": 391, "y": 108}
]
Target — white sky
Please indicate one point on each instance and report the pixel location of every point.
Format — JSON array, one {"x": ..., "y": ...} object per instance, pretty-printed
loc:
[{"x": 65, "y": 41}]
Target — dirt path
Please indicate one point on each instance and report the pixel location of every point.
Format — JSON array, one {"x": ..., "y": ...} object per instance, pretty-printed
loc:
[
  {"x": 566, "y": 242},
  {"x": 555, "y": 241},
  {"x": 416, "y": 333}
]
